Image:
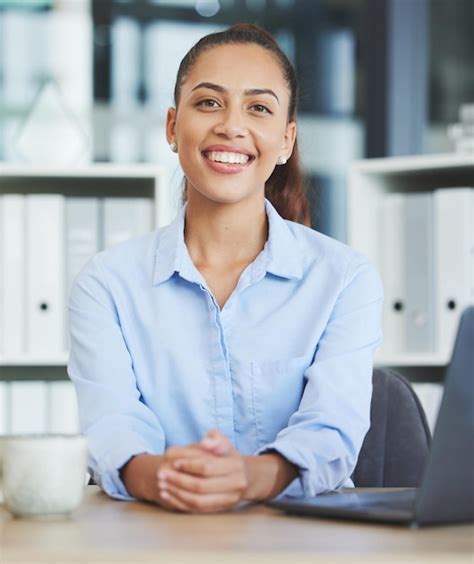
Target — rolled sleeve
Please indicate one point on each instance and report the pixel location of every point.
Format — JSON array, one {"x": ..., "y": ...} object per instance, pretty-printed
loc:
[
  {"x": 324, "y": 436},
  {"x": 117, "y": 424}
]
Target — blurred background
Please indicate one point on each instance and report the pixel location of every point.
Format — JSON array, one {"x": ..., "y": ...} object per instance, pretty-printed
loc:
[{"x": 377, "y": 78}]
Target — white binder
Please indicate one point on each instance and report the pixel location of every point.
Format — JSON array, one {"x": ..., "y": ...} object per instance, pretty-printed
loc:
[
  {"x": 392, "y": 269},
  {"x": 419, "y": 273},
  {"x": 82, "y": 234},
  {"x": 28, "y": 407},
  {"x": 454, "y": 274},
  {"x": 63, "y": 413},
  {"x": 45, "y": 274},
  {"x": 125, "y": 218},
  {"x": 12, "y": 274},
  {"x": 82, "y": 239}
]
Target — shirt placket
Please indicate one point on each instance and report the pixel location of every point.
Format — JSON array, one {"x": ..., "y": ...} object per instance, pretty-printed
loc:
[
  {"x": 221, "y": 324},
  {"x": 220, "y": 368}
]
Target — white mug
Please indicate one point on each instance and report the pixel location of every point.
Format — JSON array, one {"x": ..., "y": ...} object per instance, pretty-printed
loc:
[{"x": 43, "y": 475}]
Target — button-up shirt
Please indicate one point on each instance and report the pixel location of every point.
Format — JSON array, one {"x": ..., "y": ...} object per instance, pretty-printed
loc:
[{"x": 285, "y": 365}]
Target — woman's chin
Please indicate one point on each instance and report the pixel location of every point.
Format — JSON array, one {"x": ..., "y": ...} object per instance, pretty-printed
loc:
[{"x": 221, "y": 195}]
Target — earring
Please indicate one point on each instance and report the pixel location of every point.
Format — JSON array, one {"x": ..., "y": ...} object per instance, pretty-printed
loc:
[
  {"x": 281, "y": 160},
  {"x": 174, "y": 147}
]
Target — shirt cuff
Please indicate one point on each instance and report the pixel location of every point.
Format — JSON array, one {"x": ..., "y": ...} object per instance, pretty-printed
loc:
[
  {"x": 106, "y": 470},
  {"x": 308, "y": 483}
]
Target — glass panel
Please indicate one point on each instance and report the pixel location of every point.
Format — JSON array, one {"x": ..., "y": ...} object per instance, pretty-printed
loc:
[
  {"x": 451, "y": 69},
  {"x": 40, "y": 46}
]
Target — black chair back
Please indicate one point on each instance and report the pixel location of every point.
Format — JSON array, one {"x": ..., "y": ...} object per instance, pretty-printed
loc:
[{"x": 395, "y": 449}]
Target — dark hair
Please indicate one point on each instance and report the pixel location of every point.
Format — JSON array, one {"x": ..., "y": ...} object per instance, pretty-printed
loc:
[{"x": 286, "y": 187}]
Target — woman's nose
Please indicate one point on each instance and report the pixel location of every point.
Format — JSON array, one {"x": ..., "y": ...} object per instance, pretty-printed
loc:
[{"x": 231, "y": 124}]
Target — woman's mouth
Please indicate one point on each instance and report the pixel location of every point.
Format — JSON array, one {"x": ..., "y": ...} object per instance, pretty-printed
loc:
[{"x": 226, "y": 162}]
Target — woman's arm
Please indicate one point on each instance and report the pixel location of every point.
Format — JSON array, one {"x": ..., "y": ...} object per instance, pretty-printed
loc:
[
  {"x": 116, "y": 423},
  {"x": 139, "y": 476},
  {"x": 267, "y": 475},
  {"x": 324, "y": 436}
]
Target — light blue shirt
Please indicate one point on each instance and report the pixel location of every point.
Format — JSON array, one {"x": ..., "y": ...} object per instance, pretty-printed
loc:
[{"x": 286, "y": 365}]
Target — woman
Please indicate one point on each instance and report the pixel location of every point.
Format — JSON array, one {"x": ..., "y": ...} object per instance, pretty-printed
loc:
[{"x": 227, "y": 356}]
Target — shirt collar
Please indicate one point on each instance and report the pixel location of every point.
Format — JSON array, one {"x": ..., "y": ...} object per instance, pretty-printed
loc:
[
  {"x": 170, "y": 249},
  {"x": 281, "y": 255}
]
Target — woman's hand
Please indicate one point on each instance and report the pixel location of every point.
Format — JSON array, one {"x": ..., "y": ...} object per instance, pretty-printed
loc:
[
  {"x": 140, "y": 472},
  {"x": 215, "y": 479}
]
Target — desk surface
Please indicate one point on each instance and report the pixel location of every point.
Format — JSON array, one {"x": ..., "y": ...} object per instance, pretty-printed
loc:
[{"x": 107, "y": 530}]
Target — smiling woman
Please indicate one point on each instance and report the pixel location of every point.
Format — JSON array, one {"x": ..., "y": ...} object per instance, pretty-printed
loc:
[
  {"x": 245, "y": 68},
  {"x": 241, "y": 109},
  {"x": 227, "y": 356}
]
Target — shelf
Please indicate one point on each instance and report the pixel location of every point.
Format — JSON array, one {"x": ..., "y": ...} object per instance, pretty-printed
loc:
[
  {"x": 370, "y": 179},
  {"x": 412, "y": 360},
  {"x": 103, "y": 180},
  {"x": 60, "y": 360},
  {"x": 413, "y": 163},
  {"x": 90, "y": 171},
  {"x": 369, "y": 182},
  {"x": 98, "y": 181}
]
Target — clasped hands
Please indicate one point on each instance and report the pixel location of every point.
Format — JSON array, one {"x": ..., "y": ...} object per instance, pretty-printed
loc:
[{"x": 205, "y": 477}]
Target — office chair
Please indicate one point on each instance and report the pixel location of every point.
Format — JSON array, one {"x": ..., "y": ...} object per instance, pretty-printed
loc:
[{"x": 395, "y": 449}]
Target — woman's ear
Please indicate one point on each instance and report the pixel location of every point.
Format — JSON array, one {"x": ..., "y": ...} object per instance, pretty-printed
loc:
[
  {"x": 171, "y": 125},
  {"x": 289, "y": 139}
]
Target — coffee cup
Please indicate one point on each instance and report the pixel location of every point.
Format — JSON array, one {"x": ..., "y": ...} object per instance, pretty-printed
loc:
[{"x": 43, "y": 475}]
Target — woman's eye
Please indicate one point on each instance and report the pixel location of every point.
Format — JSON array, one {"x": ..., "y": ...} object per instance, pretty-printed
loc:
[
  {"x": 260, "y": 108},
  {"x": 208, "y": 103}
]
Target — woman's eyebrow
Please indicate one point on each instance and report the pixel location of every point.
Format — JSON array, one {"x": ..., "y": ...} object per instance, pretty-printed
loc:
[
  {"x": 258, "y": 91},
  {"x": 248, "y": 92}
]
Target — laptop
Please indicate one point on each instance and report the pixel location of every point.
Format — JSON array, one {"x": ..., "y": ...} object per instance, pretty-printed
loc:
[{"x": 446, "y": 494}]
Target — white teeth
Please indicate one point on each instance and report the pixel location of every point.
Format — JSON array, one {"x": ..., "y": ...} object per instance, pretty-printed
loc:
[{"x": 224, "y": 157}]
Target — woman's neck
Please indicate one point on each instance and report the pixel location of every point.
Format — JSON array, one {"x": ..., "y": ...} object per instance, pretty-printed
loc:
[{"x": 222, "y": 235}]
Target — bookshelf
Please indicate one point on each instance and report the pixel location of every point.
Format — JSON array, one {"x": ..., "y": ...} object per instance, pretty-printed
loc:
[
  {"x": 97, "y": 180},
  {"x": 369, "y": 180},
  {"x": 35, "y": 392},
  {"x": 94, "y": 181}
]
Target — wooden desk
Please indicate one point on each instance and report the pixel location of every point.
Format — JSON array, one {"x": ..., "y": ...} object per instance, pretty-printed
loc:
[{"x": 106, "y": 530}]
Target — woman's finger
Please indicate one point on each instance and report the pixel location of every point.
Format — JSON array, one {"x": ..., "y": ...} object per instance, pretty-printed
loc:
[
  {"x": 217, "y": 443},
  {"x": 207, "y": 466},
  {"x": 169, "y": 501},
  {"x": 235, "y": 482},
  {"x": 203, "y": 503},
  {"x": 183, "y": 451}
]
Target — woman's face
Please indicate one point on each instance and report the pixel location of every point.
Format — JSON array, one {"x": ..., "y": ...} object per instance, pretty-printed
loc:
[{"x": 231, "y": 124}]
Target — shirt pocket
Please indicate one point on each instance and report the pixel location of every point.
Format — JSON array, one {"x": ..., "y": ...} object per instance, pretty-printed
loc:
[{"x": 277, "y": 388}]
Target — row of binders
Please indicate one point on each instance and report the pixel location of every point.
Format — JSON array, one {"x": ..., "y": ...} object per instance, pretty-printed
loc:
[
  {"x": 427, "y": 265},
  {"x": 45, "y": 240},
  {"x": 38, "y": 407}
]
